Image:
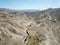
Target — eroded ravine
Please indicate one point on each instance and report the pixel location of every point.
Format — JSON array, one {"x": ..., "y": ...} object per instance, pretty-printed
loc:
[{"x": 20, "y": 28}]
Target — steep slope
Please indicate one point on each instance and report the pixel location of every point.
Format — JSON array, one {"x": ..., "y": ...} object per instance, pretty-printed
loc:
[{"x": 34, "y": 28}]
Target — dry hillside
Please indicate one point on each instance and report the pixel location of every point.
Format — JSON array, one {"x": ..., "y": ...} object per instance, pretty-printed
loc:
[{"x": 30, "y": 28}]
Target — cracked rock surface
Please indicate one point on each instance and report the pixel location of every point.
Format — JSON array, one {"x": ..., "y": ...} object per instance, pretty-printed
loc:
[{"x": 30, "y": 28}]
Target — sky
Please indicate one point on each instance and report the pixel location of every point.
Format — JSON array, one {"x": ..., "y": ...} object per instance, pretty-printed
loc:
[{"x": 29, "y": 4}]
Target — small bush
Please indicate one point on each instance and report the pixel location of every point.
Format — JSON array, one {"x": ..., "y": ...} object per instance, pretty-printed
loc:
[{"x": 32, "y": 40}]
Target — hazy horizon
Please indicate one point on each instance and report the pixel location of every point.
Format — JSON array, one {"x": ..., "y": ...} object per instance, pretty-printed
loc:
[{"x": 29, "y": 4}]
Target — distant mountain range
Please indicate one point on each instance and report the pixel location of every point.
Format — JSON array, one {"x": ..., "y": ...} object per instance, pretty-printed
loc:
[
  {"x": 33, "y": 11},
  {"x": 29, "y": 10}
]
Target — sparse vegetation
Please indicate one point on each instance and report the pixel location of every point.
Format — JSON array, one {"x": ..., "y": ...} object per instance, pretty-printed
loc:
[
  {"x": 43, "y": 27},
  {"x": 32, "y": 40}
]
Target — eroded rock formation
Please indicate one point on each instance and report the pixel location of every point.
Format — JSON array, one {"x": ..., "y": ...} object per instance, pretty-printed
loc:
[{"x": 35, "y": 28}]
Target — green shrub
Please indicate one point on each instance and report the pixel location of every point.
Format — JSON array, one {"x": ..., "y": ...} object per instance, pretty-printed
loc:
[{"x": 32, "y": 40}]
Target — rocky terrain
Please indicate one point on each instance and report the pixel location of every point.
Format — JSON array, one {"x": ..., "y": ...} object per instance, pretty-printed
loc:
[{"x": 30, "y": 28}]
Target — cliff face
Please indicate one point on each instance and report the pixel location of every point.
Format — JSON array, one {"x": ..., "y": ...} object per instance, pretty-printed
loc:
[{"x": 30, "y": 28}]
